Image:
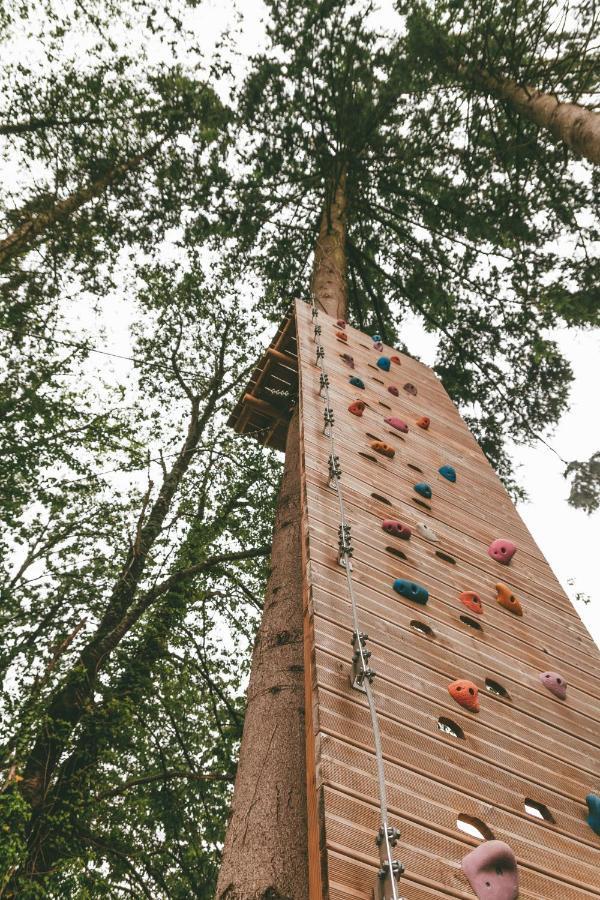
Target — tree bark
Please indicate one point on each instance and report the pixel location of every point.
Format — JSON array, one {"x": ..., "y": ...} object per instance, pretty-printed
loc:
[
  {"x": 576, "y": 126},
  {"x": 329, "y": 281},
  {"x": 265, "y": 856},
  {"x": 23, "y": 237}
]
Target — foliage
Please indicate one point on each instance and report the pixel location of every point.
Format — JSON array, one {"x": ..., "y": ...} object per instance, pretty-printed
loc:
[{"x": 585, "y": 483}]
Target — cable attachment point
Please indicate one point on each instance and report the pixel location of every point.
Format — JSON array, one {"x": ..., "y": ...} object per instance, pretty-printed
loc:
[
  {"x": 318, "y": 330},
  {"x": 384, "y": 884},
  {"x": 320, "y": 354},
  {"x": 328, "y": 420},
  {"x": 324, "y": 382},
  {"x": 315, "y": 312},
  {"x": 345, "y": 548},
  {"x": 361, "y": 671},
  {"x": 335, "y": 471}
]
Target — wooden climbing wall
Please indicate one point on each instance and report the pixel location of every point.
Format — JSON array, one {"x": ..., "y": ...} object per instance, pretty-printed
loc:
[{"x": 525, "y": 746}]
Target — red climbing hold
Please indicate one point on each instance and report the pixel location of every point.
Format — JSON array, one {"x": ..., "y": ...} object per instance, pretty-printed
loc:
[
  {"x": 392, "y": 526},
  {"x": 394, "y": 390},
  {"x": 396, "y": 359},
  {"x": 424, "y": 422},
  {"x": 410, "y": 389},
  {"x": 396, "y": 423},
  {"x": 341, "y": 323},
  {"x": 465, "y": 693},
  {"x": 340, "y": 335},
  {"x": 502, "y": 550},
  {"x": 555, "y": 683},
  {"x": 492, "y": 871},
  {"x": 472, "y": 601},
  {"x": 357, "y": 408},
  {"x": 383, "y": 448},
  {"x": 507, "y": 599}
]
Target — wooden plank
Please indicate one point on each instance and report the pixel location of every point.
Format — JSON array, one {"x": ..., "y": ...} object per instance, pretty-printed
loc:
[{"x": 528, "y": 745}]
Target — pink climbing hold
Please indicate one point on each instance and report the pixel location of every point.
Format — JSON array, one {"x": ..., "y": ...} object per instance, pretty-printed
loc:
[
  {"x": 378, "y": 346},
  {"x": 396, "y": 423},
  {"x": 492, "y": 871},
  {"x": 502, "y": 550},
  {"x": 392, "y": 526},
  {"x": 341, "y": 323},
  {"x": 555, "y": 683}
]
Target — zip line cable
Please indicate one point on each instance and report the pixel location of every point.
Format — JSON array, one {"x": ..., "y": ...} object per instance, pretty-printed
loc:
[{"x": 362, "y": 673}]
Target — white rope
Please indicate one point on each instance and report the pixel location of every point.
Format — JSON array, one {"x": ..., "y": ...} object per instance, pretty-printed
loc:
[{"x": 358, "y": 642}]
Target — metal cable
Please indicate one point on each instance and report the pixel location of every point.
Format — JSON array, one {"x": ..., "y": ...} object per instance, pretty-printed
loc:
[{"x": 387, "y": 835}]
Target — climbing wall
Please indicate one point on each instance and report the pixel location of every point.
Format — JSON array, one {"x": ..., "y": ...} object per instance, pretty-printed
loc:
[{"x": 441, "y": 634}]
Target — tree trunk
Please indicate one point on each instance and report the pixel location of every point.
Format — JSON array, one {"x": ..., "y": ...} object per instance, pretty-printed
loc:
[
  {"x": 265, "y": 856},
  {"x": 23, "y": 237},
  {"x": 577, "y": 126},
  {"x": 329, "y": 282}
]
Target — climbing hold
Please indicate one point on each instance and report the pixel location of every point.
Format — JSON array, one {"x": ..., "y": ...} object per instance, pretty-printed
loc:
[
  {"x": 472, "y": 601},
  {"x": 423, "y": 489},
  {"x": 555, "y": 683},
  {"x": 341, "y": 323},
  {"x": 426, "y": 532},
  {"x": 424, "y": 422},
  {"x": 396, "y": 359},
  {"x": 411, "y": 591},
  {"x": 383, "y": 448},
  {"x": 502, "y": 550},
  {"x": 356, "y": 382},
  {"x": 593, "y": 819},
  {"x": 349, "y": 360},
  {"x": 465, "y": 693},
  {"x": 410, "y": 389},
  {"x": 507, "y": 599},
  {"x": 396, "y": 423},
  {"x": 394, "y": 390},
  {"x": 378, "y": 346},
  {"x": 492, "y": 871},
  {"x": 383, "y": 363},
  {"x": 341, "y": 336},
  {"x": 392, "y": 526},
  {"x": 357, "y": 408},
  {"x": 376, "y": 338},
  {"x": 448, "y": 473}
]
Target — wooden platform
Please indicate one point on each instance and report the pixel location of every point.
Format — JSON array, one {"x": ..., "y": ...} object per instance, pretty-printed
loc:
[{"x": 526, "y": 745}]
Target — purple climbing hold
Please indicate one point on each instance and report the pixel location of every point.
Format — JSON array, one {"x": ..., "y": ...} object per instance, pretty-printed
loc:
[
  {"x": 502, "y": 550},
  {"x": 410, "y": 389},
  {"x": 349, "y": 360},
  {"x": 492, "y": 871},
  {"x": 555, "y": 683},
  {"x": 393, "y": 526},
  {"x": 378, "y": 346},
  {"x": 393, "y": 391},
  {"x": 396, "y": 423}
]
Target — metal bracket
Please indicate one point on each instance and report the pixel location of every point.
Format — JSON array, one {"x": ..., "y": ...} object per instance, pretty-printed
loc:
[
  {"x": 324, "y": 382},
  {"x": 320, "y": 354},
  {"x": 328, "y": 420},
  {"x": 359, "y": 672},
  {"x": 345, "y": 548},
  {"x": 335, "y": 471},
  {"x": 384, "y": 888},
  {"x": 315, "y": 312},
  {"x": 318, "y": 330}
]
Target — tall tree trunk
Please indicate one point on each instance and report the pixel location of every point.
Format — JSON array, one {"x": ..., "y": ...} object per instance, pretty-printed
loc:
[
  {"x": 23, "y": 237},
  {"x": 265, "y": 856},
  {"x": 577, "y": 126}
]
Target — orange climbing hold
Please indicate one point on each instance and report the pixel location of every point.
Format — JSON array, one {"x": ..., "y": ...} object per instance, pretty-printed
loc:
[
  {"x": 357, "y": 408},
  {"x": 507, "y": 599},
  {"x": 472, "y": 601},
  {"x": 424, "y": 422},
  {"x": 341, "y": 336},
  {"x": 395, "y": 359},
  {"x": 465, "y": 693},
  {"x": 383, "y": 448}
]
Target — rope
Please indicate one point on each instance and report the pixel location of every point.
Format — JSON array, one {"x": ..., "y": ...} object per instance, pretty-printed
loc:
[{"x": 386, "y": 835}]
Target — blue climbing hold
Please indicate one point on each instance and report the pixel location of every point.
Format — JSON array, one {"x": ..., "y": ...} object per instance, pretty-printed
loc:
[
  {"x": 448, "y": 472},
  {"x": 593, "y": 819},
  {"x": 357, "y": 382},
  {"x": 423, "y": 489},
  {"x": 376, "y": 338},
  {"x": 411, "y": 591},
  {"x": 384, "y": 363}
]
